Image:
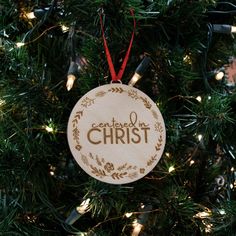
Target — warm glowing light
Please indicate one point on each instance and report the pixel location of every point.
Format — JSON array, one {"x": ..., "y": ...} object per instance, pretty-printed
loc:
[
  {"x": 30, "y": 15},
  {"x": 171, "y": 169},
  {"x": 192, "y": 162},
  {"x": 209, "y": 97},
  {"x": 203, "y": 214},
  {"x": 187, "y": 59},
  {"x": 70, "y": 81},
  {"x": 231, "y": 186},
  {"x": 232, "y": 169},
  {"x": 52, "y": 173},
  {"x": 83, "y": 207},
  {"x": 233, "y": 29},
  {"x": 199, "y": 137},
  {"x": 20, "y": 44},
  {"x": 134, "y": 79},
  {"x": 128, "y": 214},
  {"x": 167, "y": 154},
  {"x": 199, "y": 98},
  {"x": 208, "y": 228},
  {"x": 64, "y": 28},
  {"x": 2, "y": 102},
  {"x": 222, "y": 212},
  {"x": 137, "y": 227},
  {"x": 219, "y": 75},
  {"x": 48, "y": 129}
]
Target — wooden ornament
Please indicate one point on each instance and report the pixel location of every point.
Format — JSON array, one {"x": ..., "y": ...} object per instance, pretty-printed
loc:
[{"x": 116, "y": 133}]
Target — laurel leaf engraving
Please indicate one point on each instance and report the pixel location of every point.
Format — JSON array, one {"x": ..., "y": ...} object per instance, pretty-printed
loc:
[
  {"x": 98, "y": 172},
  {"x": 146, "y": 103},
  {"x": 159, "y": 143},
  {"x": 151, "y": 160},
  {"x": 100, "y": 94},
  {"x": 117, "y": 175},
  {"x": 116, "y": 90}
]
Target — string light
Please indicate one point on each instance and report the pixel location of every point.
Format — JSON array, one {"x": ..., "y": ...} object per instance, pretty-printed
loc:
[
  {"x": 223, "y": 29},
  {"x": 187, "y": 59},
  {"x": 199, "y": 137},
  {"x": 20, "y": 44},
  {"x": 128, "y": 214},
  {"x": 219, "y": 75},
  {"x": 52, "y": 170},
  {"x": 137, "y": 227},
  {"x": 167, "y": 154},
  {"x": 2, "y": 102},
  {"x": 71, "y": 75},
  {"x": 70, "y": 81},
  {"x": 78, "y": 211},
  {"x": 48, "y": 129},
  {"x": 30, "y": 15},
  {"x": 171, "y": 169},
  {"x": 199, "y": 98},
  {"x": 64, "y": 28},
  {"x": 140, "y": 71},
  {"x": 203, "y": 214},
  {"x": 192, "y": 162}
]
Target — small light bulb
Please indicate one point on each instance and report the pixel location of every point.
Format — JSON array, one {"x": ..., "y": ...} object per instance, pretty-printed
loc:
[
  {"x": 70, "y": 81},
  {"x": 136, "y": 77},
  {"x": 48, "y": 129},
  {"x": 192, "y": 162},
  {"x": 83, "y": 207},
  {"x": 199, "y": 98},
  {"x": 167, "y": 154},
  {"x": 128, "y": 214},
  {"x": 171, "y": 168},
  {"x": 30, "y": 15},
  {"x": 232, "y": 169},
  {"x": 20, "y": 44},
  {"x": 233, "y": 29},
  {"x": 222, "y": 212},
  {"x": 199, "y": 137},
  {"x": 219, "y": 76},
  {"x": 187, "y": 59},
  {"x": 64, "y": 28}
]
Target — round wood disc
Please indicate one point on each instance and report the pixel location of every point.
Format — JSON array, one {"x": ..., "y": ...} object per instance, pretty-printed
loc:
[{"x": 116, "y": 133}]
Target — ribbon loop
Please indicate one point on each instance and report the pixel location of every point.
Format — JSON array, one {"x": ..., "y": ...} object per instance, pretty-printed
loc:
[{"x": 114, "y": 76}]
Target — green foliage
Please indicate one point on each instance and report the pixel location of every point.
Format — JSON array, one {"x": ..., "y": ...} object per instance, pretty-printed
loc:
[{"x": 40, "y": 182}]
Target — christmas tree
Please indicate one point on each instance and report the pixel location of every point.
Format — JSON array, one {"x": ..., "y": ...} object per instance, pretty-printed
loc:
[{"x": 182, "y": 56}]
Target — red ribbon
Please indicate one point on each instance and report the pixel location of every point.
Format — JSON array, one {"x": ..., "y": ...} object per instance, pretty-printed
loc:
[{"x": 114, "y": 76}]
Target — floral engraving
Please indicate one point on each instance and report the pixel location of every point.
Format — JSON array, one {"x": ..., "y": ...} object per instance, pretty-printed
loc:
[
  {"x": 141, "y": 170},
  {"x": 109, "y": 167},
  {"x": 87, "y": 102},
  {"x": 133, "y": 175},
  {"x": 84, "y": 159},
  {"x": 158, "y": 127},
  {"x": 133, "y": 94}
]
